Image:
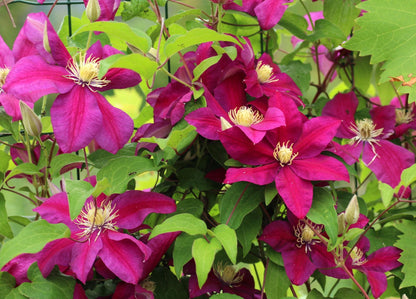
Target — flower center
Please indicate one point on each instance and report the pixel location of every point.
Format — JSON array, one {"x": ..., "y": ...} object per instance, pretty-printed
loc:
[
  {"x": 264, "y": 73},
  {"x": 284, "y": 153},
  {"x": 94, "y": 218},
  {"x": 403, "y": 116},
  {"x": 358, "y": 257},
  {"x": 305, "y": 235},
  {"x": 228, "y": 274},
  {"x": 3, "y": 74},
  {"x": 245, "y": 116},
  {"x": 365, "y": 131},
  {"x": 85, "y": 72}
]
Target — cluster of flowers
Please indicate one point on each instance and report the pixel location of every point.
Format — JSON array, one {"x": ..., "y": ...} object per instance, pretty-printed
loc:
[{"x": 252, "y": 108}]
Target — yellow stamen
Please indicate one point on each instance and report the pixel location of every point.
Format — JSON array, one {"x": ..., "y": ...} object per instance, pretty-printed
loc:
[
  {"x": 3, "y": 74},
  {"x": 85, "y": 72},
  {"x": 365, "y": 131},
  {"x": 94, "y": 218},
  {"x": 265, "y": 73},
  {"x": 403, "y": 116},
  {"x": 358, "y": 257},
  {"x": 228, "y": 274},
  {"x": 245, "y": 116},
  {"x": 284, "y": 153},
  {"x": 305, "y": 235}
]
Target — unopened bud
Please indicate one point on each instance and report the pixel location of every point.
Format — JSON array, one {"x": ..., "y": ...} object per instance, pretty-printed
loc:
[
  {"x": 46, "y": 45},
  {"x": 341, "y": 224},
  {"x": 352, "y": 212},
  {"x": 31, "y": 121},
  {"x": 93, "y": 10},
  {"x": 224, "y": 124}
]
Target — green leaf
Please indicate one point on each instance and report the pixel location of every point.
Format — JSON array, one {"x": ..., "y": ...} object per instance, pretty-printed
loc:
[
  {"x": 239, "y": 200},
  {"x": 387, "y": 33},
  {"x": 60, "y": 161},
  {"x": 31, "y": 239},
  {"x": 299, "y": 72},
  {"x": 14, "y": 294},
  {"x": 121, "y": 32},
  {"x": 326, "y": 29},
  {"x": 182, "y": 252},
  {"x": 4, "y": 161},
  {"x": 204, "y": 65},
  {"x": 119, "y": 171},
  {"x": 78, "y": 192},
  {"x": 54, "y": 286},
  {"x": 408, "y": 175},
  {"x": 249, "y": 229},
  {"x": 167, "y": 286},
  {"x": 296, "y": 24},
  {"x": 347, "y": 293},
  {"x": 5, "y": 228},
  {"x": 228, "y": 240},
  {"x": 407, "y": 243},
  {"x": 26, "y": 168},
  {"x": 191, "y": 206},
  {"x": 323, "y": 212},
  {"x": 341, "y": 13},
  {"x": 195, "y": 178},
  {"x": 180, "y": 15},
  {"x": 182, "y": 222},
  {"x": 196, "y": 36},
  {"x": 100, "y": 187},
  {"x": 143, "y": 65},
  {"x": 386, "y": 192},
  {"x": 7, "y": 124},
  {"x": 204, "y": 253},
  {"x": 7, "y": 283},
  {"x": 277, "y": 282}
]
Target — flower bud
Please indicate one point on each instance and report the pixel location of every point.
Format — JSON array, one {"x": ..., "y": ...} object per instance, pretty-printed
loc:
[
  {"x": 93, "y": 10},
  {"x": 341, "y": 224},
  {"x": 31, "y": 121},
  {"x": 46, "y": 45},
  {"x": 352, "y": 212}
]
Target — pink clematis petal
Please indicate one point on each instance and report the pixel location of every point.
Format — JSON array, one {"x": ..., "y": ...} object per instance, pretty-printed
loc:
[
  {"x": 134, "y": 206},
  {"x": 76, "y": 118},
  {"x": 116, "y": 128},
  {"x": 83, "y": 257},
  {"x": 295, "y": 191},
  {"x": 261, "y": 175},
  {"x": 298, "y": 266},
  {"x": 320, "y": 168}
]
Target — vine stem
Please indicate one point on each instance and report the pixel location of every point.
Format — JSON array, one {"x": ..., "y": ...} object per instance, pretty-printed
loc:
[{"x": 10, "y": 14}]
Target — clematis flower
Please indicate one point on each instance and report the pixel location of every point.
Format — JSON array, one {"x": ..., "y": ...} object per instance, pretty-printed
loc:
[
  {"x": 301, "y": 249},
  {"x": 268, "y": 12},
  {"x": 368, "y": 138},
  {"x": 79, "y": 113},
  {"x": 97, "y": 232},
  {"x": 373, "y": 266},
  {"x": 290, "y": 155},
  {"x": 222, "y": 279}
]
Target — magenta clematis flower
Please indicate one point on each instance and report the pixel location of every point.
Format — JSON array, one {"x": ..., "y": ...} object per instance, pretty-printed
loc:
[
  {"x": 291, "y": 156},
  {"x": 96, "y": 232},
  {"x": 222, "y": 279},
  {"x": 253, "y": 118},
  {"x": 373, "y": 266},
  {"x": 301, "y": 249},
  {"x": 368, "y": 138},
  {"x": 268, "y": 12},
  {"x": 108, "y": 9},
  {"x": 79, "y": 113}
]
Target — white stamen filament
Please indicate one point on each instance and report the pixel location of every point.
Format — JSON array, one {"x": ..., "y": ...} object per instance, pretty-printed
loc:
[
  {"x": 264, "y": 73},
  {"x": 245, "y": 116},
  {"x": 284, "y": 153}
]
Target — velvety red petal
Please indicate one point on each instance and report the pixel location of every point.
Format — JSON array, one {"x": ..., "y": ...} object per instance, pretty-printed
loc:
[
  {"x": 57, "y": 252},
  {"x": 295, "y": 191},
  {"x": 205, "y": 122},
  {"x": 124, "y": 255},
  {"x": 298, "y": 266},
  {"x": 390, "y": 162},
  {"x": 76, "y": 118},
  {"x": 84, "y": 255},
  {"x": 342, "y": 106},
  {"x": 31, "y": 78},
  {"x": 11, "y": 106},
  {"x": 383, "y": 259},
  {"x": 279, "y": 235},
  {"x": 377, "y": 281},
  {"x": 121, "y": 78},
  {"x": 6, "y": 55},
  {"x": 116, "y": 129},
  {"x": 134, "y": 206},
  {"x": 269, "y": 12},
  {"x": 261, "y": 175},
  {"x": 384, "y": 117},
  {"x": 273, "y": 118},
  {"x": 317, "y": 133},
  {"x": 320, "y": 168}
]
